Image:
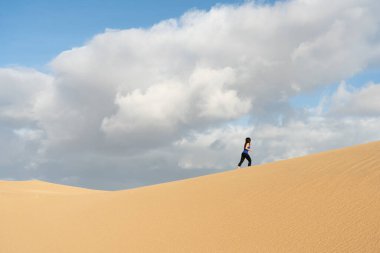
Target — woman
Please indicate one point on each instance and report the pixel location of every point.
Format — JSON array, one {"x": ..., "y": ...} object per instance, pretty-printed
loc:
[{"x": 245, "y": 154}]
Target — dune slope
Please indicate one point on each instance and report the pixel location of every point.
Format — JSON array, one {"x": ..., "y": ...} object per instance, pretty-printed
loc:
[{"x": 327, "y": 202}]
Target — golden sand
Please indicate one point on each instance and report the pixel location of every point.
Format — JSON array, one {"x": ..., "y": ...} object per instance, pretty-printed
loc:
[{"x": 327, "y": 202}]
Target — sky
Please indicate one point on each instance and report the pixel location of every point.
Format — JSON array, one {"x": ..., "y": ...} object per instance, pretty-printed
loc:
[
  {"x": 34, "y": 32},
  {"x": 116, "y": 95}
]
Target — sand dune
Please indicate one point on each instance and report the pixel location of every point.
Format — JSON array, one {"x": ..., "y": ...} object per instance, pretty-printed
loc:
[{"x": 327, "y": 202}]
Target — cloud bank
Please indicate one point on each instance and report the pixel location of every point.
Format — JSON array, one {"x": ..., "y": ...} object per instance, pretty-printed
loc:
[{"x": 141, "y": 106}]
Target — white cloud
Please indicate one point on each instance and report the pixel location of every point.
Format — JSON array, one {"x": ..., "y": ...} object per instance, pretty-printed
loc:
[
  {"x": 173, "y": 95},
  {"x": 160, "y": 107},
  {"x": 211, "y": 66},
  {"x": 315, "y": 131},
  {"x": 357, "y": 102},
  {"x": 29, "y": 134},
  {"x": 20, "y": 88},
  {"x": 217, "y": 148}
]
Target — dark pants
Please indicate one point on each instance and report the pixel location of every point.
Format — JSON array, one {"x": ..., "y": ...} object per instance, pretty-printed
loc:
[{"x": 245, "y": 156}]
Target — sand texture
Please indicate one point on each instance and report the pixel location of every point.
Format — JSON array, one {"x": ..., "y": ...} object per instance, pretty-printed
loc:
[{"x": 326, "y": 202}]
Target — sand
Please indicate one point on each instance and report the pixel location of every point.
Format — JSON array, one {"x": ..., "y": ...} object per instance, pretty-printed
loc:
[{"x": 327, "y": 202}]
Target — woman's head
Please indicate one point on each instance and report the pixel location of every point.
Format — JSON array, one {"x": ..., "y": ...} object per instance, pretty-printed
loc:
[{"x": 247, "y": 140}]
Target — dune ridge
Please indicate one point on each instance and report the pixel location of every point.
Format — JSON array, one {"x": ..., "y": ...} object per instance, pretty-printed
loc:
[{"x": 326, "y": 202}]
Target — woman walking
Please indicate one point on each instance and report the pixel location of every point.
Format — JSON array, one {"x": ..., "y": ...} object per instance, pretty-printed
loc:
[{"x": 245, "y": 154}]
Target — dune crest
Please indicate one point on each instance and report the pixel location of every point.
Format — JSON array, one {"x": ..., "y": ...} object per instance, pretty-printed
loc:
[
  {"x": 326, "y": 202},
  {"x": 34, "y": 186}
]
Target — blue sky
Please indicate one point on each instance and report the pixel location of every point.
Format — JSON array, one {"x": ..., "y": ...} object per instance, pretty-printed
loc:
[{"x": 35, "y": 31}]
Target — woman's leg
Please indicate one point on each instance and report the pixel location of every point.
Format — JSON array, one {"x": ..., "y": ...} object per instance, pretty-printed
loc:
[
  {"x": 241, "y": 159},
  {"x": 249, "y": 160}
]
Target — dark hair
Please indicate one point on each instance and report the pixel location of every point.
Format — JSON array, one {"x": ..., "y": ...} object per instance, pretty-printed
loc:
[{"x": 247, "y": 140}]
